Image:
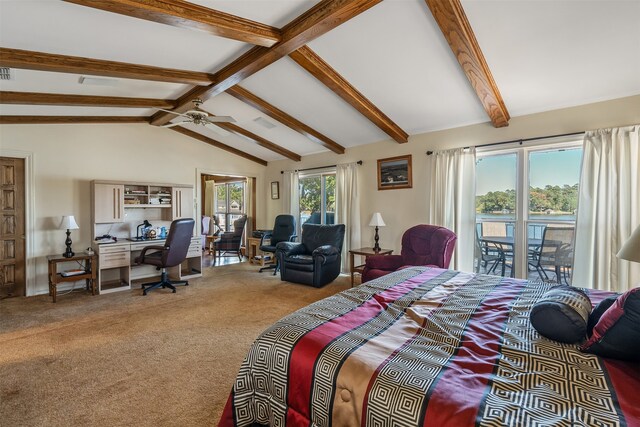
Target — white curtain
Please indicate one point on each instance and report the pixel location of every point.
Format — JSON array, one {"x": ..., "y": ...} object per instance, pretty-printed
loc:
[
  {"x": 452, "y": 200},
  {"x": 248, "y": 208},
  {"x": 348, "y": 209},
  {"x": 608, "y": 209},
  {"x": 291, "y": 196}
]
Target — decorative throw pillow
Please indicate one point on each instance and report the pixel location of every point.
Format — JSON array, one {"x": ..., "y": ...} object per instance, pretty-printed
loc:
[
  {"x": 617, "y": 333},
  {"x": 598, "y": 311},
  {"x": 562, "y": 314}
]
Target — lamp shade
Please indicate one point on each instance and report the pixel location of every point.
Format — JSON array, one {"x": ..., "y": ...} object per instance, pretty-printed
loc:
[
  {"x": 68, "y": 223},
  {"x": 376, "y": 220},
  {"x": 631, "y": 248}
]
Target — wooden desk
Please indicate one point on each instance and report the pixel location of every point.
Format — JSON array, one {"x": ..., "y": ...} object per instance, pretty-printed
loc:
[
  {"x": 365, "y": 252},
  {"x": 89, "y": 263}
]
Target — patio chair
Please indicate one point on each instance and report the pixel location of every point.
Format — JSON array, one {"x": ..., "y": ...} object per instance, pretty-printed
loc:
[{"x": 555, "y": 254}]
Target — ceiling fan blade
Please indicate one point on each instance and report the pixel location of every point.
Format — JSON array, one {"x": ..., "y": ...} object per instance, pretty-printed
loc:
[
  {"x": 170, "y": 125},
  {"x": 172, "y": 112},
  {"x": 217, "y": 129},
  {"x": 221, "y": 119}
]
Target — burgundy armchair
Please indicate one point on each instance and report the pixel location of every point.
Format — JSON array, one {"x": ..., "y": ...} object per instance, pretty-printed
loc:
[{"x": 427, "y": 245}]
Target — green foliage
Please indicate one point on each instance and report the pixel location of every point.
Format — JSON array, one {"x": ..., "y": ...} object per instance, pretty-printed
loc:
[
  {"x": 550, "y": 198},
  {"x": 311, "y": 193}
]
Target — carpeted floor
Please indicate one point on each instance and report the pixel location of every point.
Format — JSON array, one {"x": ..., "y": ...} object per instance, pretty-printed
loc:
[{"x": 122, "y": 359}]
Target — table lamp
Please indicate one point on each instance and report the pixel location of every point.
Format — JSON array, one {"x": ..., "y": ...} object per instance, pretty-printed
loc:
[
  {"x": 631, "y": 248},
  {"x": 69, "y": 223},
  {"x": 376, "y": 221}
]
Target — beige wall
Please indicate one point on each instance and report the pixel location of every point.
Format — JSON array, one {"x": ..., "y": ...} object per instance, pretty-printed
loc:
[
  {"x": 404, "y": 208},
  {"x": 67, "y": 157}
]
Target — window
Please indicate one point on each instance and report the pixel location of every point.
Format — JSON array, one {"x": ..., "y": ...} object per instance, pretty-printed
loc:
[
  {"x": 526, "y": 201},
  {"x": 230, "y": 203},
  {"x": 317, "y": 198}
]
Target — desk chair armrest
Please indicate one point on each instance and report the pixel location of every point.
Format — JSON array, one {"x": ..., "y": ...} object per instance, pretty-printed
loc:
[
  {"x": 293, "y": 238},
  {"x": 140, "y": 258},
  {"x": 265, "y": 236}
]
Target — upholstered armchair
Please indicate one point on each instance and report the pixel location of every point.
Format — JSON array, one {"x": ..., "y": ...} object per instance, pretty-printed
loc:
[
  {"x": 230, "y": 241},
  {"x": 316, "y": 259},
  {"x": 427, "y": 245}
]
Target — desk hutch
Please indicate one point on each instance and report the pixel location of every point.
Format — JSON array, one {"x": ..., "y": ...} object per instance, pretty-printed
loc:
[{"x": 117, "y": 207}]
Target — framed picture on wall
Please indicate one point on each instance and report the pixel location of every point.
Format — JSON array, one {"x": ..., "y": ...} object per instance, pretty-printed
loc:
[
  {"x": 394, "y": 172},
  {"x": 275, "y": 190}
]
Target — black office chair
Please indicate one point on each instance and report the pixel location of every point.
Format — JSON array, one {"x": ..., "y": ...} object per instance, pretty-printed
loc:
[
  {"x": 171, "y": 254},
  {"x": 284, "y": 230}
]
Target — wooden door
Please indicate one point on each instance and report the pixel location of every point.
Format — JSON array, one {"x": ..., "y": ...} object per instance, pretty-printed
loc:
[{"x": 12, "y": 225}]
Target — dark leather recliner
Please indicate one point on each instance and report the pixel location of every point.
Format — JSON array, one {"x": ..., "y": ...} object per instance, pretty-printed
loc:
[
  {"x": 284, "y": 230},
  {"x": 428, "y": 245},
  {"x": 171, "y": 254},
  {"x": 316, "y": 259}
]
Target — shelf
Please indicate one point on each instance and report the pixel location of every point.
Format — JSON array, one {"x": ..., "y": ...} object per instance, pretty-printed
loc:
[{"x": 140, "y": 205}]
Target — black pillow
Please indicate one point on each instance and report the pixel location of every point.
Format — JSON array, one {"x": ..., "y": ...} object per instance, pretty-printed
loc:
[
  {"x": 562, "y": 314},
  {"x": 617, "y": 333},
  {"x": 597, "y": 312}
]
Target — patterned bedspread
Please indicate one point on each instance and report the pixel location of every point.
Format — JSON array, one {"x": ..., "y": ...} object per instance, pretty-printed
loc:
[{"x": 428, "y": 347}]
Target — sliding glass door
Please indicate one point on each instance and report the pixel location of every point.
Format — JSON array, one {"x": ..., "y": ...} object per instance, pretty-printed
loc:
[{"x": 526, "y": 203}]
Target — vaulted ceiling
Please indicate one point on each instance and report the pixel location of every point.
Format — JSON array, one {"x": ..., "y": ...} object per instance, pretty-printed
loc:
[{"x": 301, "y": 77}]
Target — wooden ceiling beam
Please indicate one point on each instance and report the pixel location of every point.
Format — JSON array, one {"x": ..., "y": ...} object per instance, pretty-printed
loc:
[
  {"x": 318, "y": 68},
  {"x": 318, "y": 20},
  {"x": 33, "y": 98},
  {"x": 265, "y": 143},
  {"x": 456, "y": 28},
  {"x": 29, "y": 60},
  {"x": 40, "y": 120},
  {"x": 191, "y": 16},
  {"x": 284, "y": 118},
  {"x": 217, "y": 144}
]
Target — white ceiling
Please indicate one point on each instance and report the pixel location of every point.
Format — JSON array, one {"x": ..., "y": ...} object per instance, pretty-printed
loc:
[{"x": 543, "y": 55}]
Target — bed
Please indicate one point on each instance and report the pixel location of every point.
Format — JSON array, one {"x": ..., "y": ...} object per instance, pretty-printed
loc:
[{"x": 428, "y": 347}]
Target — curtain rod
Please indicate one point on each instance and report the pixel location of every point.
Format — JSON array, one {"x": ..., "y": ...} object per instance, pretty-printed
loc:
[
  {"x": 321, "y": 167},
  {"x": 521, "y": 141}
]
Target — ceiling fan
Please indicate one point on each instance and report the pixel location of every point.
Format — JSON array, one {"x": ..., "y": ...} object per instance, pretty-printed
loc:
[{"x": 199, "y": 117}]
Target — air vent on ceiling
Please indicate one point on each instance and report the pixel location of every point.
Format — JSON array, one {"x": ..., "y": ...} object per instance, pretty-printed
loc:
[
  {"x": 5, "y": 73},
  {"x": 264, "y": 122},
  {"x": 97, "y": 81}
]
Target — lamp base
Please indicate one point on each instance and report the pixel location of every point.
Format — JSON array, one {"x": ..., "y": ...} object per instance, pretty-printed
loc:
[
  {"x": 376, "y": 247},
  {"x": 68, "y": 253}
]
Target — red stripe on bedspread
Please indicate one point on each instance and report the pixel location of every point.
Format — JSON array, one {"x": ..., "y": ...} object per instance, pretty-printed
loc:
[
  {"x": 625, "y": 379},
  {"x": 306, "y": 351},
  {"x": 461, "y": 387}
]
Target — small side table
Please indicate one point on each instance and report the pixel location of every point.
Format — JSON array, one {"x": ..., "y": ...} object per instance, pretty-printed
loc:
[
  {"x": 253, "y": 249},
  {"x": 365, "y": 252},
  {"x": 211, "y": 244},
  {"x": 90, "y": 264}
]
